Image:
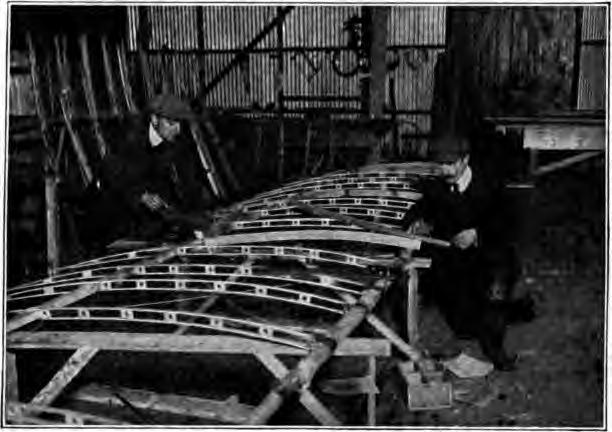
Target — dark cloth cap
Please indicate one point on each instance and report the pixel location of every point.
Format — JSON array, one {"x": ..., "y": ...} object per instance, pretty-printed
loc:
[
  {"x": 170, "y": 106},
  {"x": 448, "y": 148}
]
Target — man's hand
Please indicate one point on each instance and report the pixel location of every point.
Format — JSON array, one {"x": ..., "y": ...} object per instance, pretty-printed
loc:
[
  {"x": 466, "y": 238},
  {"x": 153, "y": 201}
]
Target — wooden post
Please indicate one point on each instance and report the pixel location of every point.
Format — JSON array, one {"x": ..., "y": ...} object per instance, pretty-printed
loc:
[
  {"x": 280, "y": 72},
  {"x": 64, "y": 376},
  {"x": 413, "y": 306},
  {"x": 90, "y": 97},
  {"x": 52, "y": 213},
  {"x": 11, "y": 383},
  {"x": 108, "y": 76},
  {"x": 52, "y": 230},
  {"x": 302, "y": 374},
  {"x": 371, "y": 413}
]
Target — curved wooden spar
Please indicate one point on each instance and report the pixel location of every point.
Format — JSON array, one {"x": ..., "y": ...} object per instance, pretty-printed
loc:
[{"x": 316, "y": 234}]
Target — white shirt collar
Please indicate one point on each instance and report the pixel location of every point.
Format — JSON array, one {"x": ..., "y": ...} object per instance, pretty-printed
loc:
[
  {"x": 154, "y": 138},
  {"x": 464, "y": 181}
]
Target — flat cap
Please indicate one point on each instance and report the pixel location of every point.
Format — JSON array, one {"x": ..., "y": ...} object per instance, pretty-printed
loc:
[
  {"x": 170, "y": 106},
  {"x": 449, "y": 147}
]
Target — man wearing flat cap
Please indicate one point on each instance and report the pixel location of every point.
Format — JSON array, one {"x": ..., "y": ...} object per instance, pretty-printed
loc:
[
  {"x": 470, "y": 282},
  {"x": 151, "y": 172}
]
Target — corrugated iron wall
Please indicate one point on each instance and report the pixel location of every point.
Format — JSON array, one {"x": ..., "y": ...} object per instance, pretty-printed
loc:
[
  {"x": 177, "y": 48},
  {"x": 591, "y": 92}
]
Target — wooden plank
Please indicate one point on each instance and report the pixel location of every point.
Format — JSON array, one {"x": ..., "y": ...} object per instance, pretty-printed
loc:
[
  {"x": 64, "y": 376},
  {"x": 228, "y": 411},
  {"x": 148, "y": 342},
  {"x": 310, "y": 402},
  {"x": 566, "y": 162},
  {"x": 22, "y": 414},
  {"x": 564, "y": 137},
  {"x": 321, "y": 234},
  {"x": 11, "y": 383},
  {"x": 301, "y": 376}
]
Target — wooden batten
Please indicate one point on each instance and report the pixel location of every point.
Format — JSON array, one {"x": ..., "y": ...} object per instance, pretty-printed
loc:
[
  {"x": 64, "y": 376},
  {"x": 146, "y": 342},
  {"x": 228, "y": 411},
  {"x": 206, "y": 160},
  {"x": 125, "y": 79}
]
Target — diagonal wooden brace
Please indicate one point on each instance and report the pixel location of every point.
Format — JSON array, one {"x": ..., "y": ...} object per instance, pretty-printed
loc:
[
  {"x": 309, "y": 400},
  {"x": 301, "y": 376},
  {"x": 64, "y": 376}
]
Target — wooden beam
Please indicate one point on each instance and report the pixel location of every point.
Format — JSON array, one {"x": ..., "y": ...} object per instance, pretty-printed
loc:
[
  {"x": 64, "y": 376},
  {"x": 322, "y": 234},
  {"x": 228, "y": 411},
  {"x": 301, "y": 376},
  {"x": 413, "y": 306},
  {"x": 149, "y": 342},
  {"x": 307, "y": 399},
  {"x": 371, "y": 410},
  {"x": 26, "y": 414},
  {"x": 52, "y": 222},
  {"x": 564, "y": 163}
]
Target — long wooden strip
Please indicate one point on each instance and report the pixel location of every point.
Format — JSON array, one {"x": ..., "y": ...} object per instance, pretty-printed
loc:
[
  {"x": 25, "y": 414},
  {"x": 64, "y": 376},
  {"x": 225, "y": 411},
  {"x": 90, "y": 97},
  {"x": 108, "y": 76},
  {"x": 206, "y": 160},
  {"x": 302, "y": 374},
  {"x": 320, "y": 234},
  {"x": 125, "y": 79},
  {"x": 157, "y": 342}
]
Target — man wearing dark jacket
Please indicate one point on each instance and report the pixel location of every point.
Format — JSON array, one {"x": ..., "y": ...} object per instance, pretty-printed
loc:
[
  {"x": 471, "y": 281},
  {"x": 149, "y": 178}
]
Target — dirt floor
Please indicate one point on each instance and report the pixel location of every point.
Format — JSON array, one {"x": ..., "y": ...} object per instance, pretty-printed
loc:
[{"x": 560, "y": 375}]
